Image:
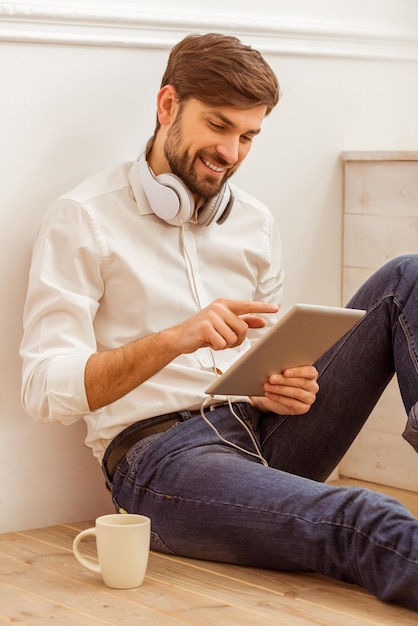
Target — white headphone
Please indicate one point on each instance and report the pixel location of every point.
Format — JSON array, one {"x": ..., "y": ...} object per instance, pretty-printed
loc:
[{"x": 171, "y": 201}]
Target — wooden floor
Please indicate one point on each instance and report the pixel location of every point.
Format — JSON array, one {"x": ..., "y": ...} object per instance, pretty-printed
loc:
[{"x": 41, "y": 582}]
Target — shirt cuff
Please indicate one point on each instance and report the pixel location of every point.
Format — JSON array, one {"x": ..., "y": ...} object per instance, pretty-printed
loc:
[{"x": 66, "y": 389}]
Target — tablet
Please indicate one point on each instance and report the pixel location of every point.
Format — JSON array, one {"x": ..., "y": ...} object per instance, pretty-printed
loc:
[{"x": 299, "y": 338}]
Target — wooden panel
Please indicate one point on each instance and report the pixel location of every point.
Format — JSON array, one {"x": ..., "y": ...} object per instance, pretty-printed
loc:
[
  {"x": 380, "y": 223},
  {"x": 382, "y": 188}
]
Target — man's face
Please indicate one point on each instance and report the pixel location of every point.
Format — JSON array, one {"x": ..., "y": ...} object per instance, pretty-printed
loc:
[{"x": 206, "y": 144}]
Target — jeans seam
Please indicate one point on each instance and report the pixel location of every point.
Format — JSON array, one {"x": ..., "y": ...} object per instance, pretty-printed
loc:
[
  {"x": 346, "y": 337},
  {"x": 304, "y": 520}
]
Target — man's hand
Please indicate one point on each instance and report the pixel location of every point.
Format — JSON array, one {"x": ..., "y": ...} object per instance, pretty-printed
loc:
[
  {"x": 291, "y": 393},
  {"x": 222, "y": 324}
]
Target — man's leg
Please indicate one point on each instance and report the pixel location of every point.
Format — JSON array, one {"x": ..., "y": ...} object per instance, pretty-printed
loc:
[
  {"x": 208, "y": 500},
  {"x": 353, "y": 375}
]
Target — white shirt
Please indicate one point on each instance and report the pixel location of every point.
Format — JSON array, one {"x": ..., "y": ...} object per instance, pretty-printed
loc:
[{"x": 106, "y": 271}]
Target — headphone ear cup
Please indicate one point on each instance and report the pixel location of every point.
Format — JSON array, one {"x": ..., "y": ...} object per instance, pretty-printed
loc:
[
  {"x": 184, "y": 209},
  {"x": 217, "y": 208},
  {"x": 227, "y": 209},
  {"x": 169, "y": 199}
]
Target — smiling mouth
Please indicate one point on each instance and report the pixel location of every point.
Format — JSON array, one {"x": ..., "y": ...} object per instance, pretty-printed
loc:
[{"x": 215, "y": 168}]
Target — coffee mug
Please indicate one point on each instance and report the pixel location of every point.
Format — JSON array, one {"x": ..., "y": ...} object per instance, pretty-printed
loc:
[{"x": 123, "y": 544}]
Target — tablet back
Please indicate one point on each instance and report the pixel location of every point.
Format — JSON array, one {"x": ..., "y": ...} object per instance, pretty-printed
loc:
[{"x": 299, "y": 338}]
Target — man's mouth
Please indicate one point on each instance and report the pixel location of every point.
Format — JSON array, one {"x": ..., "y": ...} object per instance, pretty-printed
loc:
[{"x": 215, "y": 168}]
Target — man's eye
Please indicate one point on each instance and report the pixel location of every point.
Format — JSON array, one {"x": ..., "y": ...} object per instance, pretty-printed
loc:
[{"x": 216, "y": 126}]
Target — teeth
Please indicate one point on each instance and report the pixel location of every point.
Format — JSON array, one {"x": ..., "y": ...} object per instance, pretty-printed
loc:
[{"x": 213, "y": 167}]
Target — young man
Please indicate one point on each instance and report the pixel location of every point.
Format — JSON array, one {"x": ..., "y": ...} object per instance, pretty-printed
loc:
[{"x": 149, "y": 279}]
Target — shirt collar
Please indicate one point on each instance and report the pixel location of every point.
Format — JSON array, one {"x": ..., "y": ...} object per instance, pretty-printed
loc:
[{"x": 141, "y": 199}]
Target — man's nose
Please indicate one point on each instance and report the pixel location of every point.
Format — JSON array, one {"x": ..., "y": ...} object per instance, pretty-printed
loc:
[{"x": 228, "y": 149}]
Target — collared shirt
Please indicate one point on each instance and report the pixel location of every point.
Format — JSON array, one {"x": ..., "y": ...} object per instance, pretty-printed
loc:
[{"x": 106, "y": 271}]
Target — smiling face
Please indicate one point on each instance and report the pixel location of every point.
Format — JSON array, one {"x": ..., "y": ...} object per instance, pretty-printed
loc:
[{"x": 201, "y": 143}]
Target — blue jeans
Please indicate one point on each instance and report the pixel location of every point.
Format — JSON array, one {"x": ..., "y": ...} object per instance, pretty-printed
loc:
[{"x": 209, "y": 500}]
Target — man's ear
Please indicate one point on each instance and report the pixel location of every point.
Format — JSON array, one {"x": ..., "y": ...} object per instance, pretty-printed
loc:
[{"x": 167, "y": 104}]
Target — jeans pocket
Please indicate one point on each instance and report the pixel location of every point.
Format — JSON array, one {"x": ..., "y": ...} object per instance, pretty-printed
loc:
[
  {"x": 269, "y": 426},
  {"x": 138, "y": 450},
  {"x": 158, "y": 545}
]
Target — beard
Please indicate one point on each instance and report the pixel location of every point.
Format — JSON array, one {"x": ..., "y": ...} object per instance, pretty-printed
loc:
[{"x": 182, "y": 165}]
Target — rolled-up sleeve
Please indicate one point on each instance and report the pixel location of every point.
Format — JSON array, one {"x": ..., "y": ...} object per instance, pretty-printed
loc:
[{"x": 65, "y": 287}]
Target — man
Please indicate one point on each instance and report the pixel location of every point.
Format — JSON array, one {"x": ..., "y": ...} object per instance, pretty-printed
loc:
[{"x": 148, "y": 280}]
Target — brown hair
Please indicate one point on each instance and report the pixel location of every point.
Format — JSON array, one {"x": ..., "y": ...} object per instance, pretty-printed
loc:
[{"x": 220, "y": 70}]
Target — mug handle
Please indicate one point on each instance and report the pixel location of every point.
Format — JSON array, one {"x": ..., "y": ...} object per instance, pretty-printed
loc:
[{"x": 92, "y": 565}]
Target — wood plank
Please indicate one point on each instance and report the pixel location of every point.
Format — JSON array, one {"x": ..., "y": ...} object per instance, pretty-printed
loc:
[
  {"x": 182, "y": 571},
  {"x": 201, "y": 601},
  {"x": 297, "y": 594},
  {"x": 183, "y": 586},
  {"x": 21, "y": 607},
  {"x": 61, "y": 574},
  {"x": 379, "y": 155},
  {"x": 50, "y": 593}
]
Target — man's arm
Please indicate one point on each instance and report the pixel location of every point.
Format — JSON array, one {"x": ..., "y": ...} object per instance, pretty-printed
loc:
[{"x": 111, "y": 374}]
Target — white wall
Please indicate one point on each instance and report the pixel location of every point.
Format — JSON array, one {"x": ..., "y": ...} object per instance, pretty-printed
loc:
[{"x": 78, "y": 86}]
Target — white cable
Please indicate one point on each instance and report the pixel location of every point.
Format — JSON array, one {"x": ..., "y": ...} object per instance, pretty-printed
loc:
[
  {"x": 257, "y": 454},
  {"x": 192, "y": 280},
  {"x": 189, "y": 268}
]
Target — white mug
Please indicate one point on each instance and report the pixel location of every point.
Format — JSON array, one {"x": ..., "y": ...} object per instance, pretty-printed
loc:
[{"x": 123, "y": 544}]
